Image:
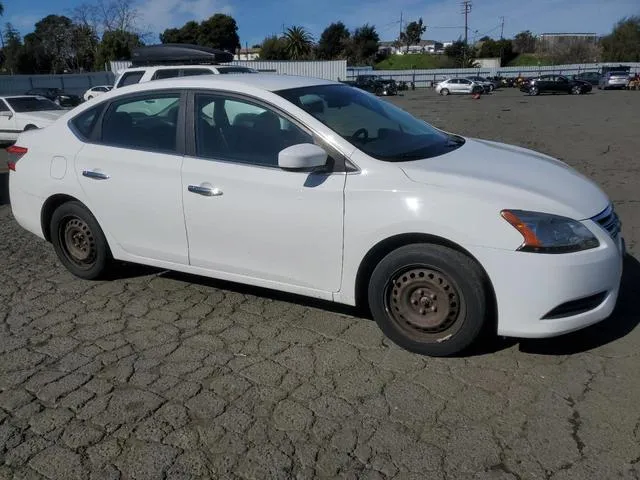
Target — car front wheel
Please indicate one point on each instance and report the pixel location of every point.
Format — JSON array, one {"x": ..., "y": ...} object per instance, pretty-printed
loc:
[
  {"x": 444, "y": 91},
  {"x": 428, "y": 299},
  {"x": 533, "y": 91},
  {"x": 79, "y": 241},
  {"x": 576, "y": 90}
]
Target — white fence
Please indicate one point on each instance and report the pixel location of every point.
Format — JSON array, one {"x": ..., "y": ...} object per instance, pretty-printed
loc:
[
  {"x": 426, "y": 78},
  {"x": 330, "y": 70}
]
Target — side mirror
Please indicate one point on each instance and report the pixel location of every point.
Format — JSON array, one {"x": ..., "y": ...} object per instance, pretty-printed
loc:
[
  {"x": 302, "y": 157},
  {"x": 7, "y": 114}
]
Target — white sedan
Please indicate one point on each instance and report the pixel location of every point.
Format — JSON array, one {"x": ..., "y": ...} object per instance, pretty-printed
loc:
[
  {"x": 25, "y": 112},
  {"x": 457, "y": 85},
  {"x": 321, "y": 189},
  {"x": 96, "y": 91}
]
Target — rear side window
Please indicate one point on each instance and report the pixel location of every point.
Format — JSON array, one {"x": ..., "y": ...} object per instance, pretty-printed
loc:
[
  {"x": 130, "y": 78},
  {"x": 86, "y": 121},
  {"x": 166, "y": 73},
  {"x": 190, "y": 72},
  {"x": 3, "y": 106},
  {"x": 147, "y": 123}
]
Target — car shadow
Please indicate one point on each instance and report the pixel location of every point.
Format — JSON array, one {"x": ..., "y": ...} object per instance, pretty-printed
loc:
[
  {"x": 622, "y": 321},
  {"x": 4, "y": 189},
  {"x": 264, "y": 293}
]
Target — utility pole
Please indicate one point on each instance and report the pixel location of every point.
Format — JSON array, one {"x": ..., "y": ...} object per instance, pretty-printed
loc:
[
  {"x": 400, "y": 34},
  {"x": 501, "y": 28},
  {"x": 466, "y": 8}
]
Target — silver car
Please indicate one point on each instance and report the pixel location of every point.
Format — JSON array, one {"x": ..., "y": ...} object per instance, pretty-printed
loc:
[{"x": 614, "y": 80}]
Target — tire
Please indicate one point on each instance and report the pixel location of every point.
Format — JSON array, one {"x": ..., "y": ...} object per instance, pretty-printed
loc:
[
  {"x": 576, "y": 90},
  {"x": 428, "y": 299},
  {"x": 79, "y": 241},
  {"x": 491, "y": 88},
  {"x": 444, "y": 91},
  {"x": 533, "y": 91}
]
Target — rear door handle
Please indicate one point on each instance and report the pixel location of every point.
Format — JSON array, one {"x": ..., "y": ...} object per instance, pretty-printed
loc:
[
  {"x": 205, "y": 190},
  {"x": 95, "y": 175}
]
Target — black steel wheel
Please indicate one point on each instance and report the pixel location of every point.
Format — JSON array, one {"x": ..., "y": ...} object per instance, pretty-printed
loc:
[
  {"x": 79, "y": 241},
  {"x": 428, "y": 299}
]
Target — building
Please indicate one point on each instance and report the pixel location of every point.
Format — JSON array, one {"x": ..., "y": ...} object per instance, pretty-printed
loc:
[
  {"x": 423, "y": 46},
  {"x": 548, "y": 41},
  {"x": 247, "y": 54}
]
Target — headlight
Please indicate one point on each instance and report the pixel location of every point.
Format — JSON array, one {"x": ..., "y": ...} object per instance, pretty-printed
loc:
[{"x": 546, "y": 233}]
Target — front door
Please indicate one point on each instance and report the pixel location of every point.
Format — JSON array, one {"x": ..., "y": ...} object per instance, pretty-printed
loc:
[
  {"x": 130, "y": 174},
  {"x": 247, "y": 217}
]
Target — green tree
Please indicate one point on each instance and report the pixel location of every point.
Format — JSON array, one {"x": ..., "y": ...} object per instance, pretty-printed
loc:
[
  {"x": 55, "y": 34},
  {"x": 116, "y": 45},
  {"x": 333, "y": 41},
  {"x": 524, "y": 42},
  {"x": 299, "y": 43},
  {"x": 273, "y": 48},
  {"x": 85, "y": 47},
  {"x": 363, "y": 47},
  {"x": 33, "y": 58},
  {"x": 461, "y": 54},
  {"x": 219, "y": 31},
  {"x": 188, "y": 33},
  {"x": 12, "y": 49},
  {"x": 502, "y": 49},
  {"x": 413, "y": 33},
  {"x": 623, "y": 44}
]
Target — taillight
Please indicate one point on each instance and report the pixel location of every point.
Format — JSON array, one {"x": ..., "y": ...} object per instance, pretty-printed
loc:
[{"x": 15, "y": 153}]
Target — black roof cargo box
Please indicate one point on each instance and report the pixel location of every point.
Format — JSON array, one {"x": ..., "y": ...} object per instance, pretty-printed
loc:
[{"x": 178, "y": 54}]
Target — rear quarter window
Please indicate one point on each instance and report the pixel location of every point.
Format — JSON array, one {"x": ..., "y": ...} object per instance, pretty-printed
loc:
[
  {"x": 84, "y": 123},
  {"x": 130, "y": 78}
]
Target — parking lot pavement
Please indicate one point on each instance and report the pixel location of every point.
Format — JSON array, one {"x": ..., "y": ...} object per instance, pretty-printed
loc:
[{"x": 163, "y": 375}]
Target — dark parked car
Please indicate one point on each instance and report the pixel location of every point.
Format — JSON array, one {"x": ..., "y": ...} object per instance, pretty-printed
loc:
[
  {"x": 590, "y": 77},
  {"x": 377, "y": 85},
  {"x": 56, "y": 95},
  {"x": 555, "y": 84}
]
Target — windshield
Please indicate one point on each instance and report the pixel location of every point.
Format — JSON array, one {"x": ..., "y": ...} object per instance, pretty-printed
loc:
[
  {"x": 376, "y": 127},
  {"x": 31, "y": 104},
  {"x": 236, "y": 70}
]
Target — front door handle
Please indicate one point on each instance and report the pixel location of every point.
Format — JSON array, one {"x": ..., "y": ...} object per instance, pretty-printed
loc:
[
  {"x": 95, "y": 175},
  {"x": 205, "y": 190}
]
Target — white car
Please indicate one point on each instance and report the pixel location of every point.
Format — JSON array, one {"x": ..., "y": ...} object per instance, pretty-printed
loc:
[
  {"x": 134, "y": 75},
  {"x": 25, "y": 112},
  {"x": 96, "y": 91},
  {"x": 312, "y": 187},
  {"x": 456, "y": 86}
]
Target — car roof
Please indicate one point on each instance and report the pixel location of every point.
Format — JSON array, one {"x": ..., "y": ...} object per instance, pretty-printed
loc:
[
  {"x": 18, "y": 96},
  {"x": 263, "y": 81}
]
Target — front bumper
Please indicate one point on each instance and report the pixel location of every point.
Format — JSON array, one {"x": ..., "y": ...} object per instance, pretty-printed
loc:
[{"x": 529, "y": 286}]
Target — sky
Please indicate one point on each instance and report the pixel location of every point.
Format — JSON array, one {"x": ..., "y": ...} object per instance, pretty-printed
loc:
[{"x": 259, "y": 18}]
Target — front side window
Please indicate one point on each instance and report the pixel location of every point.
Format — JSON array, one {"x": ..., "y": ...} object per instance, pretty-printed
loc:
[
  {"x": 374, "y": 126},
  {"x": 3, "y": 106},
  {"x": 143, "y": 123},
  {"x": 241, "y": 131},
  {"x": 130, "y": 78}
]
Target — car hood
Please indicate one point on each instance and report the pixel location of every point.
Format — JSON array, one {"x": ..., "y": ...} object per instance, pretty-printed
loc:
[
  {"x": 511, "y": 177},
  {"x": 48, "y": 116}
]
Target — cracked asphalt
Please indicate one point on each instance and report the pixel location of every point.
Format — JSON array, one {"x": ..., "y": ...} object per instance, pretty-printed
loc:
[{"x": 162, "y": 375}]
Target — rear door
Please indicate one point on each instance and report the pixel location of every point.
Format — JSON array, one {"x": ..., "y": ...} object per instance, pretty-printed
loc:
[
  {"x": 465, "y": 85},
  {"x": 562, "y": 84},
  {"x": 129, "y": 170}
]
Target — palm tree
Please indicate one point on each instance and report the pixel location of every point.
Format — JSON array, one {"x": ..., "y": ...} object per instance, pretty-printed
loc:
[{"x": 298, "y": 42}]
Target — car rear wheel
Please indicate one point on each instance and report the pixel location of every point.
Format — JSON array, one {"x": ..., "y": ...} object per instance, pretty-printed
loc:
[
  {"x": 491, "y": 88},
  {"x": 444, "y": 91},
  {"x": 428, "y": 299},
  {"x": 79, "y": 241}
]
